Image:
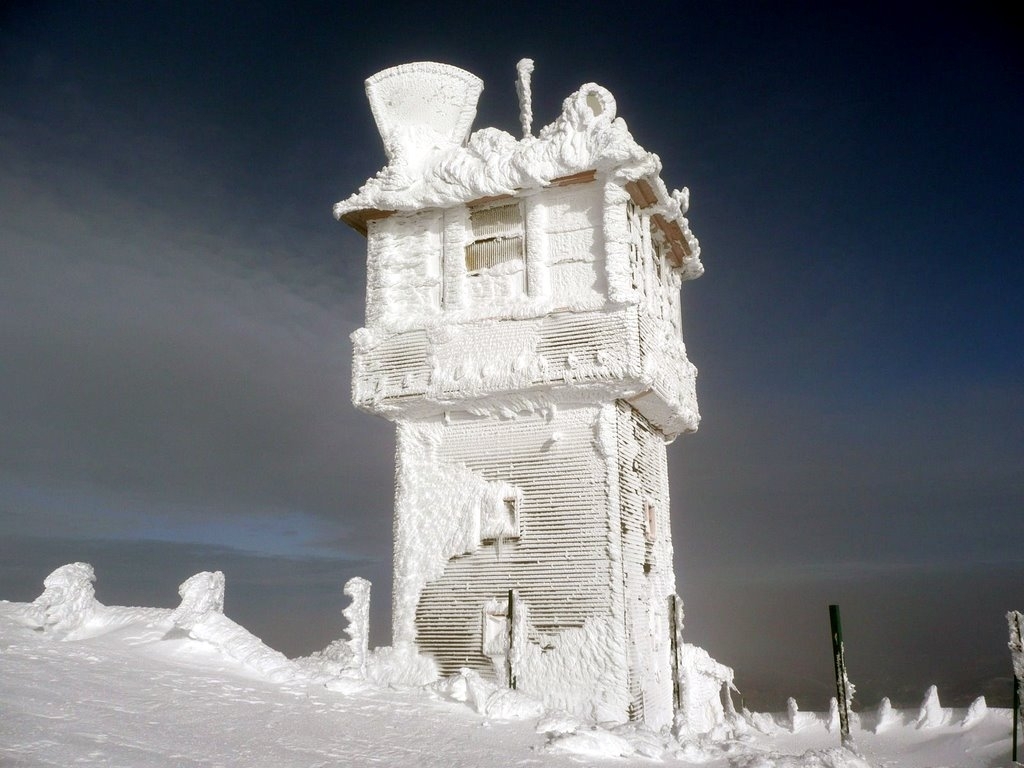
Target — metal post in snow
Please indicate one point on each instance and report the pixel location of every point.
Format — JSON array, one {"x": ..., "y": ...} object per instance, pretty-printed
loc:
[
  {"x": 1016, "y": 622},
  {"x": 842, "y": 681},
  {"x": 1016, "y": 714},
  {"x": 511, "y": 638}
]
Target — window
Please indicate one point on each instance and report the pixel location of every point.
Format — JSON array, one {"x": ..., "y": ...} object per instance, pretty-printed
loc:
[
  {"x": 500, "y": 520},
  {"x": 650, "y": 521},
  {"x": 497, "y": 249},
  {"x": 494, "y": 630}
]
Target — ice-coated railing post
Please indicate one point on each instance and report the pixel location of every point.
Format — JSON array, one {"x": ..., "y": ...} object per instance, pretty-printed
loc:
[
  {"x": 358, "y": 616},
  {"x": 842, "y": 682}
]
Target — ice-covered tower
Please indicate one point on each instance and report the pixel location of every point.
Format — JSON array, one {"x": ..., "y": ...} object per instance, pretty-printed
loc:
[{"x": 523, "y": 332}]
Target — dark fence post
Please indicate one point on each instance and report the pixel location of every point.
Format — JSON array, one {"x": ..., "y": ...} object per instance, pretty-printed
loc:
[
  {"x": 675, "y": 618},
  {"x": 842, "y": 681},
  {"x": 1016, "y": 714},
  {"x": 1016, "y": 621},
  {"x": 511, "y": 638}
]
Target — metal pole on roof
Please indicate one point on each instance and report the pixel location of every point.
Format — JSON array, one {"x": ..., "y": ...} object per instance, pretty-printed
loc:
[{"x": 842, "y": 681}]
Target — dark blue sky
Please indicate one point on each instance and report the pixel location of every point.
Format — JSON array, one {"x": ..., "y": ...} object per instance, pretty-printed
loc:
[{"x": 175, "y": 302}]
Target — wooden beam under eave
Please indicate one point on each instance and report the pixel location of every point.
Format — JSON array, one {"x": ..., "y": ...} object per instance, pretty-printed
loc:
[
  {"x": 358, "y": 219},
  {"x": 680, "y": 249},
  {"x": 488, "y": 199},
  {"x": 641, "y": 193},
  {"x": 576, "y": 178}
]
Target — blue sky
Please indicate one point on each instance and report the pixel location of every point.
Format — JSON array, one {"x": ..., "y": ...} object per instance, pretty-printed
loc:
[{"x": 176, "y": 299}]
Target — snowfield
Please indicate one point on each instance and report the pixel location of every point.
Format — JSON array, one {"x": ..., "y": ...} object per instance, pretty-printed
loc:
[{"x": 130, "y": 687}]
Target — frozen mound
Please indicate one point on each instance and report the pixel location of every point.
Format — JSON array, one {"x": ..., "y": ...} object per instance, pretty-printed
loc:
[
  {"x": 975, "y": 713},
  {"x": 704, "y": 683},
  {"x": 885, "y": 716},
  {"x": 201, "y": 617},
  {"x": 67, "y": 602},
  {"x": 931, "y": 713},
  {"x": 596, "y": 742},
  {"x": 487, "y": 698},
  {"x": 836, "y": 757},
  {"x": 201, "y": 595},
  {"x": 625, "y": 740},
  {"x": 400, "y": 666}
]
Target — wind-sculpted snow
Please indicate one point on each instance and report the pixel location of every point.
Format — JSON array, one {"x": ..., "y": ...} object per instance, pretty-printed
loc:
[
  {"x": 703, "y": 684},
  {"x": 201, "y": 616},
  {"x": 931, "y": 714},
  {"x": 830, "y": 758},
  {"x": 67, "y": 602},
  {"x": 134, "y": 690},
  {"x": 201, "y": 595},
  {"x": 487, "y": 698}
]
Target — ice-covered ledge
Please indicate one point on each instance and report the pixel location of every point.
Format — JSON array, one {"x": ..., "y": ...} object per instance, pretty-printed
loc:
[{"x": 430, "y": 166}]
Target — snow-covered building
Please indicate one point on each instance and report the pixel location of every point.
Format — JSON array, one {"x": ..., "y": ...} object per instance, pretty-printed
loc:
[{"x": 523, "y": 332}]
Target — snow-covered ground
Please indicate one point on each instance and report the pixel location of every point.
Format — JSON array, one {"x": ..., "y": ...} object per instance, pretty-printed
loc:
[{"x": 130, "y": 688}]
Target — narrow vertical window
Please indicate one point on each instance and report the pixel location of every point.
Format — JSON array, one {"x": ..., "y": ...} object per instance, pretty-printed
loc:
[
  {"x": 497, "y": 251},
  {"x": 650, "y": 521}
]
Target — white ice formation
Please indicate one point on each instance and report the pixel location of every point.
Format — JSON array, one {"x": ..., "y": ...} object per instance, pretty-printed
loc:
[
  {"x": 430, "y": 166},
  {"x": 201, "y": 616},
  {"x": 201, "y": 595},
  {"x": 704, "y": 683},
  {"x": 524, "y": 69},
  {"x": 975, "y": 713},
  {"x": 344, "y": 662},
  {"x": 797, "y": 720},
  {"x": 833, "y": 723},
  {"x": 400, "y": 666},
  {"x": 67, "y": 602},
  {"x": 358, "y": 616},
  {"x": 931, "y": 713},
  {"x": 524, "y": 332},
  {"x": 487, "y": 698},
  {"x": 885, "y": 716}
]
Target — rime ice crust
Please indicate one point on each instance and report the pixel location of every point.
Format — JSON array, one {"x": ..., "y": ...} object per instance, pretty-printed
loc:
[
  {"x": 67, "y": 602},
  {"x": 422, "y": 108},
  {"x": 587, "y": 136},
  {"x": 523, "y": 331}
]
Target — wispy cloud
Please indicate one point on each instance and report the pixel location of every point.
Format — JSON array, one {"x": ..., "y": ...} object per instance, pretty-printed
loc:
[{"x": 179, "y": 374}]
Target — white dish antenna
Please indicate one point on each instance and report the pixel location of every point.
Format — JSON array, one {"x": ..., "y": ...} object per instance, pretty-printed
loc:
[{"x": 423, "y": 103}]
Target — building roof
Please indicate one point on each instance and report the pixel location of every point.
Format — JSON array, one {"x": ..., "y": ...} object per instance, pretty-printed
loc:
[{"x": 432, "y": 168}]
